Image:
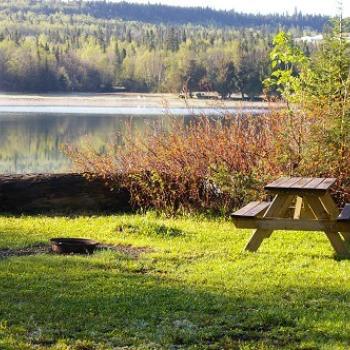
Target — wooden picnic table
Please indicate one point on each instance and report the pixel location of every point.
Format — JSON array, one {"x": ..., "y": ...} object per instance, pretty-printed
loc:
[{"x": 299, "y": 204}]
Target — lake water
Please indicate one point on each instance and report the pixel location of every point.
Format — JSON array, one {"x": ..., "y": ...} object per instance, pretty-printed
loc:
[{"x": 31, "y": 138}]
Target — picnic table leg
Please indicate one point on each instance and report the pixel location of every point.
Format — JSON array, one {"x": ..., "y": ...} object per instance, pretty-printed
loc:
[
  {"x": 256, "y": 239},
  {"x": 324, "y": 210},
  {"x": 333, "y": 210},
  {"x": 337, "y": 243},
  {"x": 279, "y": 206}
]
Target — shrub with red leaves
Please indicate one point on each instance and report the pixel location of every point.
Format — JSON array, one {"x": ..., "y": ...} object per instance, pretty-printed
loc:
[{"x": 204, "y": 165}]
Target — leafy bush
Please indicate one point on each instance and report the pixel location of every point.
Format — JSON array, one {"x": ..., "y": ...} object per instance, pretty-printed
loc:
[
  {"x": 204, "y": 165},
  {"x": 215, "y": 166}
]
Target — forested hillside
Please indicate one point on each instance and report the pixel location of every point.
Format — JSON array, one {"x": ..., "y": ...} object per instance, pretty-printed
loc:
[
  {"x": 157, "y": 13},
  {"x": 95, "y": 46}
]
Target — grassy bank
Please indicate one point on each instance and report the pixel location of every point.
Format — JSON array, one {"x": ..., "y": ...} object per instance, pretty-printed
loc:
[{"x": 170, "y": 284}]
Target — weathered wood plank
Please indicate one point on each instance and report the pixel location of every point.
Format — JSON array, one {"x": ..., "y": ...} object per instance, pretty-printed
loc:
[
  {"x": 277, "y": 182},
  {"x": 245, "y": 209},
  {"x": 252, "y": 209},
  {"x": 289, "y": 183},
  {"x": 301, "y": 186},
  {"x": 326, "y": 184},
  {"x": 314, "y": 183},
  {"x": 259, "y": 209},
  {"x": 302, "y": 182}
]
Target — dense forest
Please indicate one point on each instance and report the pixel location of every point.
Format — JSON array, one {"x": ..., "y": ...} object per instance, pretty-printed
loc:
[
  {"x": 98, "y": 46},
  {"x": 157, "y": 13}
]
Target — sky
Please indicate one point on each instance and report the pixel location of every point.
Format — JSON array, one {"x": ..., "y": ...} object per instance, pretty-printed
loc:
[{"x": 326, "y": 7}]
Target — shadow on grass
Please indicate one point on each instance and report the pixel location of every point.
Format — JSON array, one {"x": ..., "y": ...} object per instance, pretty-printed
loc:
[
  {"x": 70, "y": 215},
  {"x": 94, "y": 299},
  {"x": 321, "y": 255},
  {"x": 44, "y": 248}
]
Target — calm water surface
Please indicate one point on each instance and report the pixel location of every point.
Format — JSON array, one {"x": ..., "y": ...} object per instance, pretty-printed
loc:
[{"x": 31, "y": 138}]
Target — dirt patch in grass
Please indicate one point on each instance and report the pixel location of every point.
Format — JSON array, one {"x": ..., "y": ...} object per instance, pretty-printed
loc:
[
  {"x": 41, "y": 248},
  {"x": 126, "y": 249},
  {"x": 25, "y": 251}
]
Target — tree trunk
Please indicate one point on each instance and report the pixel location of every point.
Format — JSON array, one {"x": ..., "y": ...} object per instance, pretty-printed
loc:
[{"x": 59, "y": 194}]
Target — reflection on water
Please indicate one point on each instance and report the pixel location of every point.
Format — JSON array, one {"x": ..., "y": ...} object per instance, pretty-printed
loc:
[
  {"x": 31, "y": 137},
  {"x": 31, "y": 143}
]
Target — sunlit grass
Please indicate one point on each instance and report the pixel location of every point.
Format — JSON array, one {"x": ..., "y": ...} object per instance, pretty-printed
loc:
[{"x": 193, "y": 288}]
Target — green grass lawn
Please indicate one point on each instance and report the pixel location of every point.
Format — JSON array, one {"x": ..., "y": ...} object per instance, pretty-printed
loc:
[{"x": 193, "y": 288}]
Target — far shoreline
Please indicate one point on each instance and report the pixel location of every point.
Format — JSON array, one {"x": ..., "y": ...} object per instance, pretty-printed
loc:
[{"x": 125, "y": 100}]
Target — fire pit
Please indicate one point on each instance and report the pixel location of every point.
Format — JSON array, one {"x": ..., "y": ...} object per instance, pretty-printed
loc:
[{"x": 73, "y": 245}]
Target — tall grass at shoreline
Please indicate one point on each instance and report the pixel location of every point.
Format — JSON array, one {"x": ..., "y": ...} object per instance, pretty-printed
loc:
[
  {"x": 203, "y": 164},
  {"x": 211, "y": 164}
]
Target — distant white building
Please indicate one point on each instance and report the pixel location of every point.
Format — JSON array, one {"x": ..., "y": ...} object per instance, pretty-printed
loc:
[
  {"x": 318, "y": 38},
  {"x": 310, "y": 39}
]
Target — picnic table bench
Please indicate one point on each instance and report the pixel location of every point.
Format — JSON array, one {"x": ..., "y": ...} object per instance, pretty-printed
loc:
[{"x": 299, "y": 204}]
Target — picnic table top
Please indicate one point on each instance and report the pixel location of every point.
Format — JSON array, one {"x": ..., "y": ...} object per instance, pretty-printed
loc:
[{"x": 301, "y": 184}]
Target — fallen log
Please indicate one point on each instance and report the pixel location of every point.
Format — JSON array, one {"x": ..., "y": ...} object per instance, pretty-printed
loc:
[{"x": 59, "y": 194}]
